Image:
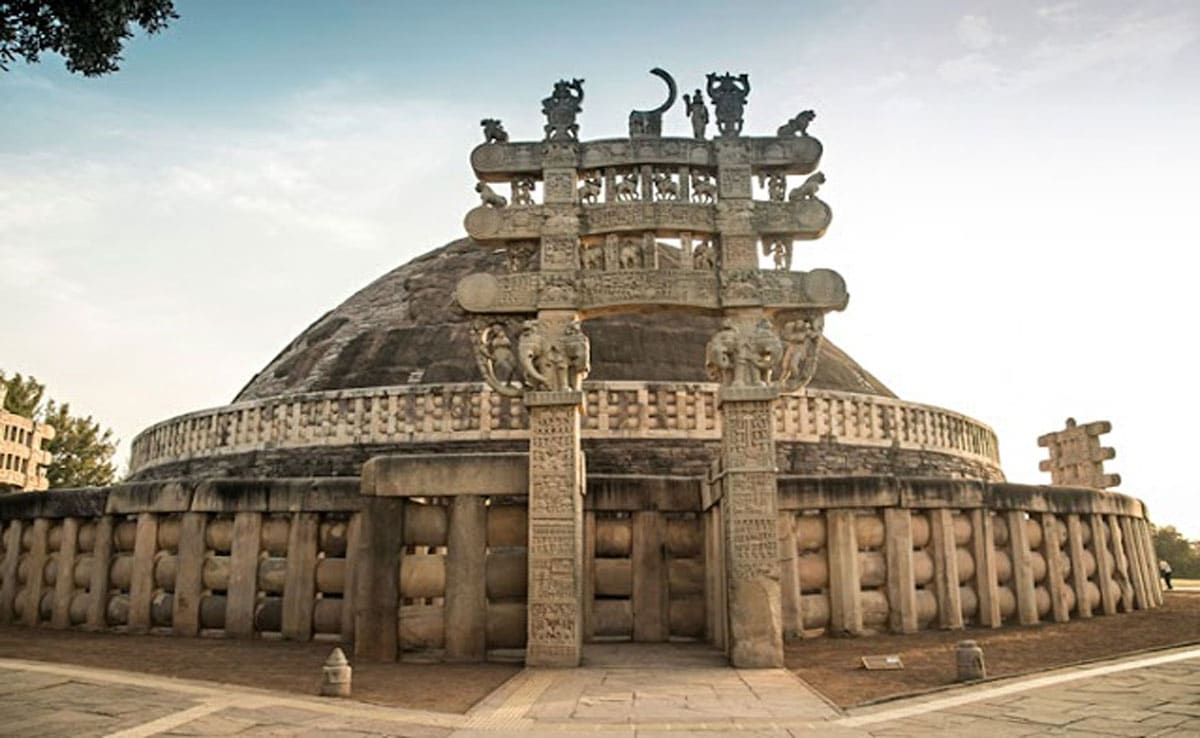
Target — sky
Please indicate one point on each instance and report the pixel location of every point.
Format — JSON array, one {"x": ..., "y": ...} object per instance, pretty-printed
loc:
[{"x": 1013, "y": 187}]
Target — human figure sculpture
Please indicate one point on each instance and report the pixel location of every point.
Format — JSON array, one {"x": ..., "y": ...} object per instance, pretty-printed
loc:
[
  {"x": 578, "y": 353},
  {"x": 522, "y": 191},
  {"x": 797, "y": 125},
  {"x": 728, "y": 95},
  {"x": 630, "y": 256},
  {"x": 776, "y": 185},
  {"x": 803, "y": 339},
  {"x": 702, "y": 256},
  {"x": 703, "y": 188},
  {"x": 489, "y": 196},
  {"x": 517, "y": 256},
  {"x": 593, "y": 258},
  {"x": 648, "y": 123},
  {"x": 590, "y": 189},
  {"x": 560, "y": 109},
  {"x": 807, "y": 190},
  {"x": 780, "y": 249},
  {"x": 494, "y": 355},
  {"x": 721, "y": 354},
  {"x": 697, "y": 113},
  {"x": 493, "y": 131}
]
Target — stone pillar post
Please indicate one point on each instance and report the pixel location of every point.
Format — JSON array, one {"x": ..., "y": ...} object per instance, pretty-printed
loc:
[
  {"x": 984, "y": 548},
  {"x": 189, "y": 577},
  {"x": 466, "y": 597},
  {"x": 901, "y": 587},
  {"x": 845, "y": 583},
  {"x": 1079, "y": 578},
  {"x": 301, "y": 585},
  {"x": 97, "y": 615},
  {"x": 1104, "y": 568},
  {"x": 37, "y": 564},
  {"x": 945, "y": 569},
  {"x": 141, "y": 583},
  {"x": 555, "y": 636},
  {"x": 793, "y": 617},
  {"x": 1147, "y": 542},
  {"x": 1056, "y": 584},
  {"x": 8, "y": 571},
  {"x": 375, "y": 561},
  {"x": 751, "y": 515},
  {"x": 64, "y": 586},
  {"x": 1018, "y": 541}
]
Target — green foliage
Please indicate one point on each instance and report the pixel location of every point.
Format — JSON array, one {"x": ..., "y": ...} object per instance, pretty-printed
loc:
[
  {"x": 82, "y": 450},
  {"x": 1179, "y": 552},
  {"x": 24, "y": 395},
  {"x": 88, "y": 34}
]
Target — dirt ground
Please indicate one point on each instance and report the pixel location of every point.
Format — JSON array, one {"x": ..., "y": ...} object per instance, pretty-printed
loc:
[
  {"x": 277, "y": 665},
  {"x": 833, "y": 667}
]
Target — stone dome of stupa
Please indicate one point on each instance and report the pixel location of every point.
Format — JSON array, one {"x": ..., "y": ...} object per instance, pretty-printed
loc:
[{"x": 405, "y": 328}]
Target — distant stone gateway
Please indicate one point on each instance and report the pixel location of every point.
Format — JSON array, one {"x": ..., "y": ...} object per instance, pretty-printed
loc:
[{"x": 595, "y": 418}]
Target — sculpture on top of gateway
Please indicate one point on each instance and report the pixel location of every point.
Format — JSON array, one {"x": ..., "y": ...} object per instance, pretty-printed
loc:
[{"x": 593, "y": 242}]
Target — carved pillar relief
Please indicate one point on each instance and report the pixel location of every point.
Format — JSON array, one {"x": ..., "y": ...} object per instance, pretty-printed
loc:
[
  {"x": 555, "y": 635},
  {"x": 750, "y": 511}
]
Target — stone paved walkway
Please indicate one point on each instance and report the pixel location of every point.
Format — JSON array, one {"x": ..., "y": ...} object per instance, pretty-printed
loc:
[{"x": 686, "y": 692}]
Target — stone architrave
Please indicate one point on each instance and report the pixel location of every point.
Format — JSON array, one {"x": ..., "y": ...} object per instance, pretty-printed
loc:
[
  {"x": 555, "y": 635},
  {"x": 751, "y": 514},
  {"x": 1076, "y": 456}
]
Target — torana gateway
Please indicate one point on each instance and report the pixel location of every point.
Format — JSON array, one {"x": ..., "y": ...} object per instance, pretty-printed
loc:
[{"x": 596, "y": 418}]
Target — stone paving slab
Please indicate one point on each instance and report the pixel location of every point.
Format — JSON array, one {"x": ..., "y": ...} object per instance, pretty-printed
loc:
[{"x": 1150, "y": 696}]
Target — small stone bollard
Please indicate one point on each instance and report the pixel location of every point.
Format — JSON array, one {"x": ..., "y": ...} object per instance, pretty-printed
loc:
[
  {"x": 335, "y": 681},
  {"x": 969, "y": 657}
]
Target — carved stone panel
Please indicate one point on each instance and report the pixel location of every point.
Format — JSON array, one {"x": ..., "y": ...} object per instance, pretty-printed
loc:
[
  {"x": 560, "y": 186},
  {"x": 734, "y": 181},
  {"x": 555, "y": 529},
  {"x": 560, "y": 253},
  {"x": 500, "y": 162},
  {"x": 750, "y": 512}
]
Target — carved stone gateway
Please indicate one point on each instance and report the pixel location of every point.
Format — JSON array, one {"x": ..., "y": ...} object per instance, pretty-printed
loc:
[
  {"x": 597, "y": 242},
  {"x": 1076, "y": 456}
]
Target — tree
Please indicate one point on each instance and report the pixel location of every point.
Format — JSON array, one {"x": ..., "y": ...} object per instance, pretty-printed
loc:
[
  {"x": 1181, "y": 554},
  {"x": 82, "y": 451},
  {"x": 88, "y": 34},
  {"x": 24, "y": 396}
]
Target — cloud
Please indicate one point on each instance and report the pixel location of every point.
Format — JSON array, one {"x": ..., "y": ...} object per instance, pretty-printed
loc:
[
  {"x": 1134, "y": 40},
  {"x": 972, "y": 68},
  {"x": 197, "y": 249},
  {"x": 976, "y": 32}
]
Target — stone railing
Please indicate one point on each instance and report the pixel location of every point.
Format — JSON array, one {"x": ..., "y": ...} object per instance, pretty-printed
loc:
[
  {"x": 220, "y": 558},
  {"x": 869, "y": 554},
  {"x": 472, "y": 412},
  {"x": 23, "y": 461},
  {"x": 434, "y": 549}
]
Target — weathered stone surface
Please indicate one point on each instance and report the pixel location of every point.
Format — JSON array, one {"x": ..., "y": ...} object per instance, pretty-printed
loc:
[{"x": 404, "y": 322}]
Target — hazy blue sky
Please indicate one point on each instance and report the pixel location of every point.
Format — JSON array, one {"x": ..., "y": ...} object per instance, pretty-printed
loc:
[{"x": 1013, "y": 186}]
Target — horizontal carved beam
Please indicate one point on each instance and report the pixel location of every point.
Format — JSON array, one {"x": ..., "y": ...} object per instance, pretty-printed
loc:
[
  {"x": 593, "y": 293},
  {"x": 499, "y": 162}
]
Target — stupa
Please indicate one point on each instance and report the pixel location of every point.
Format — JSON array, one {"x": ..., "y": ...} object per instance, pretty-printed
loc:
[{"x": 595, "y": 418}]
